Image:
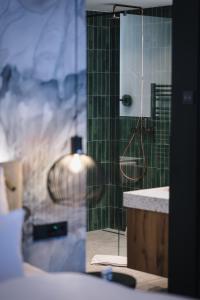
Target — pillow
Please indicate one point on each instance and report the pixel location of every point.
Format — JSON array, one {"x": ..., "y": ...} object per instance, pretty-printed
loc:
[
  {"x": 11, "y": 264},
  {"x": 3, "y": 196}
]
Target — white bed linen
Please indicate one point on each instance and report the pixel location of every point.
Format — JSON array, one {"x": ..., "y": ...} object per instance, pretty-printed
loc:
[
  {"x": 11, "y": 264},
  {"x": 71, "y": 286}
]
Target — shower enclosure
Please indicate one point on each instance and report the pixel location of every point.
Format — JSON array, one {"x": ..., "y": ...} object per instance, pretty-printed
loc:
[{"x": 115, "y": 55}]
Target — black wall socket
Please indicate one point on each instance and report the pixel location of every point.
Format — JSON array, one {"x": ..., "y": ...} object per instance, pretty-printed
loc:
[{"x": 46, "y": 231}]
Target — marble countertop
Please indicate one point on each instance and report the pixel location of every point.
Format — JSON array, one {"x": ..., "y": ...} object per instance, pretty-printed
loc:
[{"x": 156, "y": 199}]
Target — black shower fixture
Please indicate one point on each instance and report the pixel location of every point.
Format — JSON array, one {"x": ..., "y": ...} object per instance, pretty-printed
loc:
[
  {"x": 124, "y": 11},
  {"x": 114, "y": 16},
  {"x": 115, "y": 13},
  {"x": 126, "y": 100}
]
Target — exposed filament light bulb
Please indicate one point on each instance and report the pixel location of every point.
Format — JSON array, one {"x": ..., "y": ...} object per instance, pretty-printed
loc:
[{"x": 75, "y": 164}]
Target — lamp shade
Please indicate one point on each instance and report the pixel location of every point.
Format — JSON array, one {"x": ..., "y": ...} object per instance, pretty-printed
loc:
[{"x": 75, "y": 178}]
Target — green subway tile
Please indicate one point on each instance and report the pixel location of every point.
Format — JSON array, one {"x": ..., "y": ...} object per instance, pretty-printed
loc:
[
  {"x": 104, "y": 218},
  {"x": 90, "y": 84},
  {"x": 95, "y": 62}
]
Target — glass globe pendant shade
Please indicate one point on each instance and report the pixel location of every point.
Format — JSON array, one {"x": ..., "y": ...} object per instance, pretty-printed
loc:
[{"x": 75, "y": 178}]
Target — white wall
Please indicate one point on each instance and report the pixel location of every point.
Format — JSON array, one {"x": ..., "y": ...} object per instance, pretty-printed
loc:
[{"x": 156, "y": 55}]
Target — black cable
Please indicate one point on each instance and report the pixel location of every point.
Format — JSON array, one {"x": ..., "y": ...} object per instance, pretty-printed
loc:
[{"x": 76, "y": 68}]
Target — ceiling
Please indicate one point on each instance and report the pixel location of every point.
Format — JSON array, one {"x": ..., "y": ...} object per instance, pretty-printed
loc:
[{"x": 107, "y": 5}]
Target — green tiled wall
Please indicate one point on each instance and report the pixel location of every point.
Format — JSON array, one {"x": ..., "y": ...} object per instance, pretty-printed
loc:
[
  {"x": 103, "y": 91},
  {"x": 108, "y": 133}
]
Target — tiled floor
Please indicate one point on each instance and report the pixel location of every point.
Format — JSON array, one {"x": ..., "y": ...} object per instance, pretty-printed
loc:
[{"x": 102, "y": 242}]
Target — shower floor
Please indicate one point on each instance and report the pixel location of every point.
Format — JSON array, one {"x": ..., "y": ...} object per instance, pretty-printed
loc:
[{"x": 104, "y": 242}]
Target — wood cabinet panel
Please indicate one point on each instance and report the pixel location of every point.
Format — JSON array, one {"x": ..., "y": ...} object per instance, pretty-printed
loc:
[{"x": 147, "y": 241}]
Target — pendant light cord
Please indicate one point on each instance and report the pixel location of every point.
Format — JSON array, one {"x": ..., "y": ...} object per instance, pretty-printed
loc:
[{"x": 76, "y": 67}]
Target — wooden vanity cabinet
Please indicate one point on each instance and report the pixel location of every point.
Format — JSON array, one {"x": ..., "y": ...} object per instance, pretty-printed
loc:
[{"x": 147, "y": 241}]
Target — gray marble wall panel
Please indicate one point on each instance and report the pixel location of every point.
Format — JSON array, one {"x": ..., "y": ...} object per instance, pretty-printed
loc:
[{"x": 38, "y": 69}]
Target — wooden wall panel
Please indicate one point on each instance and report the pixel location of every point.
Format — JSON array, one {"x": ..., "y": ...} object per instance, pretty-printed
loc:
[{"x": 14, "y": 178}]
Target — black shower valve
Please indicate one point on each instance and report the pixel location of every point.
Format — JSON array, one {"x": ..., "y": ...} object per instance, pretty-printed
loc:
[{"x": 126, "y": 100}]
